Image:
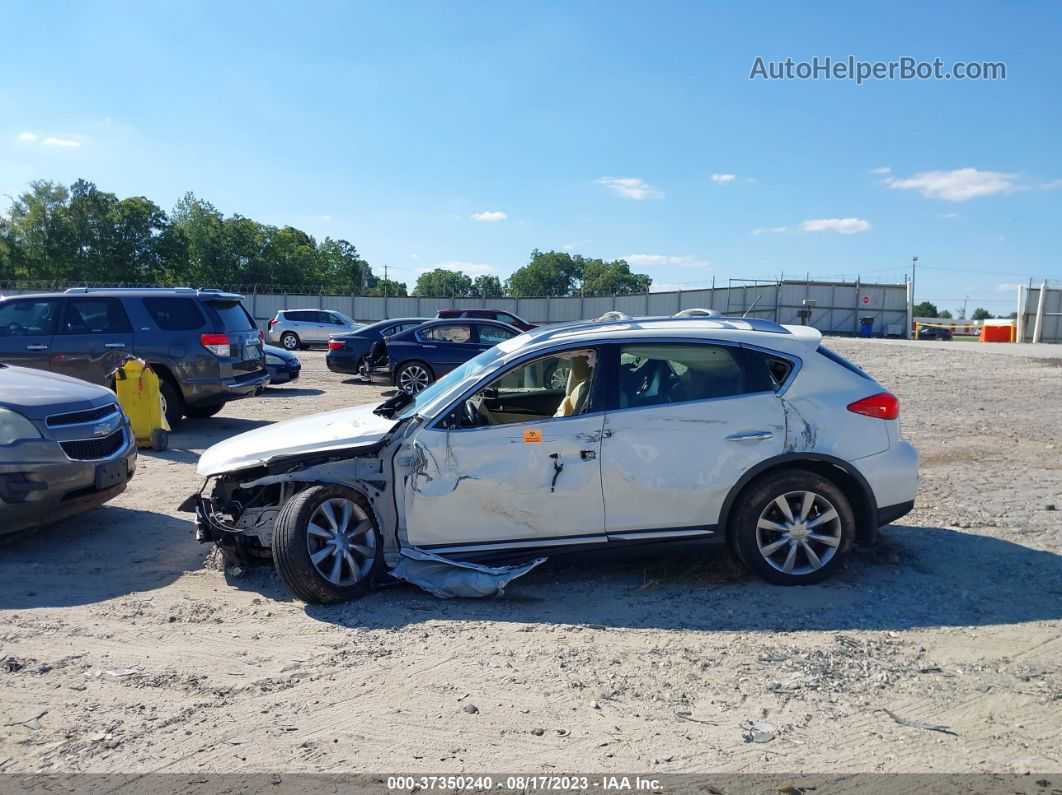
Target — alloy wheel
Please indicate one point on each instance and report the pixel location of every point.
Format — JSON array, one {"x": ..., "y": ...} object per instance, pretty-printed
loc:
[
  {"x": 341, "y": 541},
  {"x": 289, "y": 342},
  {"x": 798, "y": 532},
  {"x": 413, "y": 378}
]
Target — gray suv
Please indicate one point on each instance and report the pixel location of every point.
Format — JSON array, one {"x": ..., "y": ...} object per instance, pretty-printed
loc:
[
  {"x": 65, "y": 447},
  {"x": 203, "y": 344},
  {"x": 299, "y": 328}
]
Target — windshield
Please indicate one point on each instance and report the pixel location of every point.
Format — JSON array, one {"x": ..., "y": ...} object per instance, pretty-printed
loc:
[
  {"x": 444, "y": 388},
  {"x": 346, "y": 320}
]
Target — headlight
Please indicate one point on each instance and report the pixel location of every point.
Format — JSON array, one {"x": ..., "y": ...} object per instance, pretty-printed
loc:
[
  {"x": 15, "y": 428},
  {"x": 270, "y": 359}
]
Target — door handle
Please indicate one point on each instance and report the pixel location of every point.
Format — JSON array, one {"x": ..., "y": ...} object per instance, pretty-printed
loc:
[
  {"x": 36, "y": 347},
  {"x": 588, "y": 455},
  {"x": 114, "y": 345},
  {"x": 752, "y": 436}
]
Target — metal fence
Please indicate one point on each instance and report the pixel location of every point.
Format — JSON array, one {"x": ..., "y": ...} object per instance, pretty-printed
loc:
[
  {"x": 1040, "y": 312},
  {"x": 839, "y": 307}
]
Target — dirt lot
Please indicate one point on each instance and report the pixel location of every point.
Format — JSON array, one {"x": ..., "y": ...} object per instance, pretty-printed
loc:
[{"x": 121, "y": 651}]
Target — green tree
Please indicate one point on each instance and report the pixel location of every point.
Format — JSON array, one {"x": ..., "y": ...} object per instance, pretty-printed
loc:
[
  {"x": 487, "y": 286},
  {"x": 442, "y": 283},
  {"x": 387, "y": 287},
  {"x": 612, "y": 278},
  {"x": 39, "y": 233},
  {"x": 944, "y": 314},
  {"x": 342, "y": 266},
  {"x": 981, "y": 314},
  {"x": 925, "y": 309},
  {"x": 548, "y": 273}
]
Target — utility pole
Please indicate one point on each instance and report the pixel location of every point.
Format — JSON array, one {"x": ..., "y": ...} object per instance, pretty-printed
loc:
[
  {"x": 964, "y": 300},
  {"x": 914, "y": 269},
  {"x": 385, "y": 281}
]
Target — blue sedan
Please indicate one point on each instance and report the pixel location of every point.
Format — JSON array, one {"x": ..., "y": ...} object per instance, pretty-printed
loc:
[
  {"x": 418, "y": 356},
  {"x": 283, "y": 366}
]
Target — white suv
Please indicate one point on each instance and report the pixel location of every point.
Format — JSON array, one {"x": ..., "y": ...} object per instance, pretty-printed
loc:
[
  {"x": 729, "y": 430},
  {"x": 300, "y": 328}
]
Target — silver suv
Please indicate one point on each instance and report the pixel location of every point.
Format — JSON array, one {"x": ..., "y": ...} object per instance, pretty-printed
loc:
[
  {"x": 300, "y": 328},
  {"x": 65, "y": 447}
]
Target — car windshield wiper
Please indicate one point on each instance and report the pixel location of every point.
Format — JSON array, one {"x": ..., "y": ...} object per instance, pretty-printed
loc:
[{"x": 390, "y": 406}]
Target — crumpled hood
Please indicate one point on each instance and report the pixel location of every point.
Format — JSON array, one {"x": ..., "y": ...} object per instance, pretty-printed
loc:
[
  {"x": 332, "y": 430},
  {"x": 38, "y": 393}
]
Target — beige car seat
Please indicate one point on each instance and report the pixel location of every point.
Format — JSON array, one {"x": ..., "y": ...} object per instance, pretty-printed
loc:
[{"x": 578, "y": 387}]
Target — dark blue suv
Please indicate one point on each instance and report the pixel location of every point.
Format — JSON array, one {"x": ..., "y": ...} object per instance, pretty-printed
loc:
[{"x": 203, "y": 344}]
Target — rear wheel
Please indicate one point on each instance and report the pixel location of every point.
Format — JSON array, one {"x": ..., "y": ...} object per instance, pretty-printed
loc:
[
  {"x": 412, "y": 377},
  {"x": 202, "y": 412},
  {"x": 290, "y": 341},
  {"x": 793, "y": 528},
  {"x": 172, "y": 403},
  {"x": 326, "y": 545}
]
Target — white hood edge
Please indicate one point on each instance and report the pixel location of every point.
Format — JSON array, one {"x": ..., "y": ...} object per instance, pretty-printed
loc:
[{"x": 331, "y": 430}]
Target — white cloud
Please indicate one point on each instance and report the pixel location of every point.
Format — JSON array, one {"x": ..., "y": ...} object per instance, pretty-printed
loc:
[
  {"x": 666, "y": 259},
  {"x": 630, "y": 188},
  {"x": 958, "y": 185},
  {"x": 770, "y": 230},
  {"x": 26, "y": 136},
  {"x": 471, "y": 268},
  {"x": 723, "y": 178},
  {"x": 881, "y": 170},
  {"x": 568, "y": 246},
  {"x": 949, "y": 215},
  {"x": 51, "y": 140},
  {"x": 489, "y": 216},
  {"x": 844, "y": 226}
]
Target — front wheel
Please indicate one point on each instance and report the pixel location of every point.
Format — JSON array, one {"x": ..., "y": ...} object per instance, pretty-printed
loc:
[
  {"x": 326, "y": 545},
  {"x": 172, "y": 404},
  {"x": 290, "y": 340},
  {"x": 413, "y": 377},
  {"x": 794, "y": 528}
]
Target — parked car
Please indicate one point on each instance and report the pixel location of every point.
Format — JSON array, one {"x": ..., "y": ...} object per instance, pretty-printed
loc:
[
  {"x": 725, "y": 430},
  {"x": 284, "y": 366},
  {"x": 347, "y": 351},
  {"x": 934, "y": 333},
  {"x": 203, "y": 344},
  {"x": 414, "y": 358},
  {"x": 299, "y": 328},
  {"x": 488, "y": 314},
  {"x": 65, "y": 447}
]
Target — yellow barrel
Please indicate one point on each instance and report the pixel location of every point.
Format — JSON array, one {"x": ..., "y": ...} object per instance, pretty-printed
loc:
[{"x": 137, "y": 387}]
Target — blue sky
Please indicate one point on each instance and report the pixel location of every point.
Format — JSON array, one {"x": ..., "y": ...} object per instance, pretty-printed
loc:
[{"x": 438, "y": 133}]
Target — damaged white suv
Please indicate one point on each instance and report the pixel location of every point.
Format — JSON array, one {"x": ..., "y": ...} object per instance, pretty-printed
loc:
[{"x": 730, "y": 430}]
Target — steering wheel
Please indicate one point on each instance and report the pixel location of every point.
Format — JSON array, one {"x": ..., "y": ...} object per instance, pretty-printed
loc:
[{"x": 476, "y": 412}]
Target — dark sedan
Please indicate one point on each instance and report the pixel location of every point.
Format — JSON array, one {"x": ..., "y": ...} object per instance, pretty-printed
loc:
[
  {"x": 347, "y": 350},
  {"x": 487, "y": 314},
  {"x": 417, "y": 356},
  {"x": 283, "y": 366}
]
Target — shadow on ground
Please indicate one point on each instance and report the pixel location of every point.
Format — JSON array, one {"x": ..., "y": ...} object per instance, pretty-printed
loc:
[
  {"x": 103, "y": 554},
  {"x": 915, "y": 577}
]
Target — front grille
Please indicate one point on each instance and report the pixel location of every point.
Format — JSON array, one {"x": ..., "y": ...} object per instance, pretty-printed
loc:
[
  {"x": 94, "y": 449},
  {"x": 79, "y": 417}
]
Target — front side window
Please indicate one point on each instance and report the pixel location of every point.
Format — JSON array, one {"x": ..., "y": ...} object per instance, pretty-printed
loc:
[
  {"x": 28, "y": 318},
  {"x": 95, "y": 316},
  {"x": 559, "y": 385},
  {"x": 651, "y": 375},
  {"x": 492, "y": 335},
  {"x": 449, "y": 333}
]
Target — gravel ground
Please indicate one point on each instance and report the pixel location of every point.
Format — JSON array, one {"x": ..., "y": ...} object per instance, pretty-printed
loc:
[{"x": 123, "y": 650}]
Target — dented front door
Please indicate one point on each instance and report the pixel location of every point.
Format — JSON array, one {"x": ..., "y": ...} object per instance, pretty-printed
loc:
[{"x": 506, "y": 486}]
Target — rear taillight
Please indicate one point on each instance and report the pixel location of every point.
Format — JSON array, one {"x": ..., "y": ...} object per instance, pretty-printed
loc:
[
  {"x": 335, "y": 345},
  {"x": 882, "y": 406},
  {"x": 272, "y": 323},
  {"x": 217, "y": 344},
  {"x": 261, "y": 335}
]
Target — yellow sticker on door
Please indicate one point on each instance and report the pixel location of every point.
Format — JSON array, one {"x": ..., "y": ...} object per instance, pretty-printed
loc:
[{"x": 532, "y": 436}]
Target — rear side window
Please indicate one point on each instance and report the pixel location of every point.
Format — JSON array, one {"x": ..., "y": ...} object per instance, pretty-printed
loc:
[
  {"x": 448, "y": 333},
  {"x": 95, "y": 316},
  {"x": 836, "y": 358},
  {"x": 233, "y": 316},
  {"x": 175, "y": 314},
  {"x": 492, "y": 335},
  {"x": 651, "y": 375}
]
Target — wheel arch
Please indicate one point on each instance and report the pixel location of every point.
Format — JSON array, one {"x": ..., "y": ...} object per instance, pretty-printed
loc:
[{"x": 849, "y": 479}]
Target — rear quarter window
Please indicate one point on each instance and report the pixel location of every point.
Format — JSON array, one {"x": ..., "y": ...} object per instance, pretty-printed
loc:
[
  {"x": 175, "y": 314},
  {"x": 836, "y": 358}
]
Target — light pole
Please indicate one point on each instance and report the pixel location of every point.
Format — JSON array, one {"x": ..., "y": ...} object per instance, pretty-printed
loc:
[{"x": 914, "y": 269}]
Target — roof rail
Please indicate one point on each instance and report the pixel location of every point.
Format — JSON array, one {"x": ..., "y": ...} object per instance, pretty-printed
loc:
[{"x": 129, "y": 289}]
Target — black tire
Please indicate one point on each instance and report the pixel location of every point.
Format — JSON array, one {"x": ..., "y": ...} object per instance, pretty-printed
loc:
[
  {"x": 172, "y": 402},
  {"x": 290, "y": 341},
  {"x": 406, "y": 371},
  {"x": 760, "y": 500},
  {"x": 202, "y": 412},
  {"x": 291, "y": 547}
]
